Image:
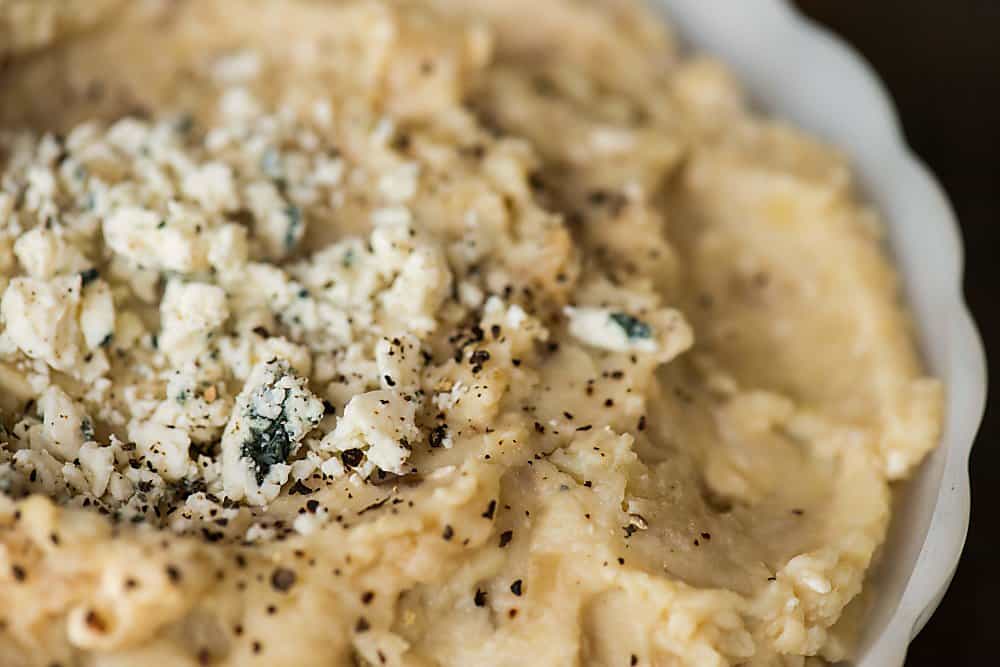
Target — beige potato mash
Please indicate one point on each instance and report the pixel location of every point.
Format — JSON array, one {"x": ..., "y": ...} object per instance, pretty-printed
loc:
[{"x": 430, "y": 333}]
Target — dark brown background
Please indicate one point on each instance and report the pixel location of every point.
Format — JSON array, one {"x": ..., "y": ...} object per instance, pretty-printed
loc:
[{"x": 941, "y": 61}]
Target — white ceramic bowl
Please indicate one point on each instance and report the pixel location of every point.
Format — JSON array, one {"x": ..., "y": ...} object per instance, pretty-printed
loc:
[{"x": 796, "y": 71}]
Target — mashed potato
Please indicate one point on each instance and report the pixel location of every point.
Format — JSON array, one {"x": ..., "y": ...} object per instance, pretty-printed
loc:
[{"x": 429, "y": 332}]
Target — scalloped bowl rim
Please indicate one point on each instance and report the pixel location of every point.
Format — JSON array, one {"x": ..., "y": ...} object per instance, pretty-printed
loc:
[{"x": 799, "y": 72}]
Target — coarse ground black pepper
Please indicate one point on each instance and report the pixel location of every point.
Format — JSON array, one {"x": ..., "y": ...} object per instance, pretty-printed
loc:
[
  {"x": 352, "y": 458},
  {"x": 490, "y": 510},
  {"x": 282, "y": 579}
]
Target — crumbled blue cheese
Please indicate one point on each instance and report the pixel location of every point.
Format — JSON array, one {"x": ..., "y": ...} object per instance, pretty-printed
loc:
[
  {"x": 45, "y": 253},
  {"x": 664, "y": 333},
  {"x": 164, "y": 446},
  {"x": 61, "y": 430},
  {"x": 152, "y": 265},
  {"x": 196, "y": 401},
  {"x": 97, "y": 463},
  {"x": 610, "y": 330},
  {"x": 213, "y": 186},
  {"x": 41, "y": 319},
  {"x": 382, "y": 425},
  {"x": 278, "y": 224},
  {"x": 273, "y": 413},
  {"x": 190, "y": 315},
  {"x": 97, "y": 314},
  {"x": 166, "y": 241},
  {"x": 228, "y": 251}
]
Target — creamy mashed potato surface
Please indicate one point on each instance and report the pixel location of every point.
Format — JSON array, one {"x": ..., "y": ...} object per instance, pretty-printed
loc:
[{"x": 429, "y": 332}]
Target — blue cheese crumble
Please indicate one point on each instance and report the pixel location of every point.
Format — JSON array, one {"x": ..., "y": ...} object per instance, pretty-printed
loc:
[{"x": 272, "y": 415}]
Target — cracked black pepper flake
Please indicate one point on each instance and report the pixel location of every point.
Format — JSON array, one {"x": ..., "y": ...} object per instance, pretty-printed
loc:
[
  {"x": 352, "y": 458},
  {"x": 88, "y": 276},
  {"x": 367, "y": 597},
  {"x": 479, "y": 599},
  {"x": 516, "y": 588},
  {"x": 448, "y": 532},
  {"x": 438, "y": 435},
  {"x": 490, "y": 510},
  {"x": 634, "y": 660},
  {"x": 362, "y": 625},
  {"x": 505, "y": 538},
  {"x": 282, "y": 579},
  {"x": 312, "y": 506},
  {"x": 301, "y": 489},
  {"x": 18, "y": 572},
  {"x": 173, "y": 574}
]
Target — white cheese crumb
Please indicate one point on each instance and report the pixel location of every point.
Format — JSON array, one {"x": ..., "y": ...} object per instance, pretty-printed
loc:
[
  {"x": 41, "y": 319},
  {"x": 608, "y": 330},
  {"x": 165, "y": 447},
  {"x": 45, "y": 253},
  {"x": 190, "y": 314},
  {"x": 381, "y": 424},
  {"x": 211, "y": 185},
  {"x": 97, "y": 463},
  {"x": 97, "y": 314}
]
